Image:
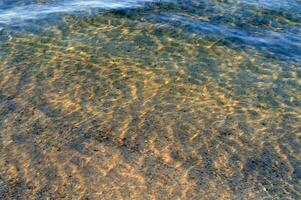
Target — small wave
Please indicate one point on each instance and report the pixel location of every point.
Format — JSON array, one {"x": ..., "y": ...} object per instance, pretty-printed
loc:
[
  {"x": 274, "y": 4},
  {"x": 283, "y": 43},
  {"x": 22, "y": 13}
]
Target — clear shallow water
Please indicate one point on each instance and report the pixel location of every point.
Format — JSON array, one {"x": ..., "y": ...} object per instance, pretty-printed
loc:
[{"x": 142, "y": 100}]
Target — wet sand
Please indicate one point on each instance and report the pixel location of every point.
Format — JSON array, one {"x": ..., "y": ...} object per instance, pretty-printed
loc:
[{"x": 125, "y": 105}]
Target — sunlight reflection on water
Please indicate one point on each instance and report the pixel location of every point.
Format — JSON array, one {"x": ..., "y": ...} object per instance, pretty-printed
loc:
[{"x": 172, "y": 100}]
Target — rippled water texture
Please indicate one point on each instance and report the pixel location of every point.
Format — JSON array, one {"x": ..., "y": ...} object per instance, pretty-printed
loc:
[{"x": 150, "y": 100}]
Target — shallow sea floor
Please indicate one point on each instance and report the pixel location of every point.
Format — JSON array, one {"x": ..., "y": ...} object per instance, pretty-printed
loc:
[{"x": 157, "y": 100}]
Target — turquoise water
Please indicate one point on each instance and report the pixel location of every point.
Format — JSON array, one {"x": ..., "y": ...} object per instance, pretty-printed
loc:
[{"x": 150, "y": 99}]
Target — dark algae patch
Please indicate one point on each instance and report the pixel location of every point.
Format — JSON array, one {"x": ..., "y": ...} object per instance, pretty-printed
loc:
[{"x": 150, "y": 99}]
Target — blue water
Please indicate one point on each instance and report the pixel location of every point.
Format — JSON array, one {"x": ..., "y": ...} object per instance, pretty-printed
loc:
[
  {"x": 183, "y": 99},
  {"x": 272, "y": 25},
  {"x": 22, "y": 11}
]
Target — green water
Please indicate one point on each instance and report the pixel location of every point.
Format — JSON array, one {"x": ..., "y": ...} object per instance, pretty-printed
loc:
[{"x": 170, "y": 100}]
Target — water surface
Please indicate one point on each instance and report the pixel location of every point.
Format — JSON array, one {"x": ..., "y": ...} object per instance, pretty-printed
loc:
[{"x": 150, "y": 99}]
